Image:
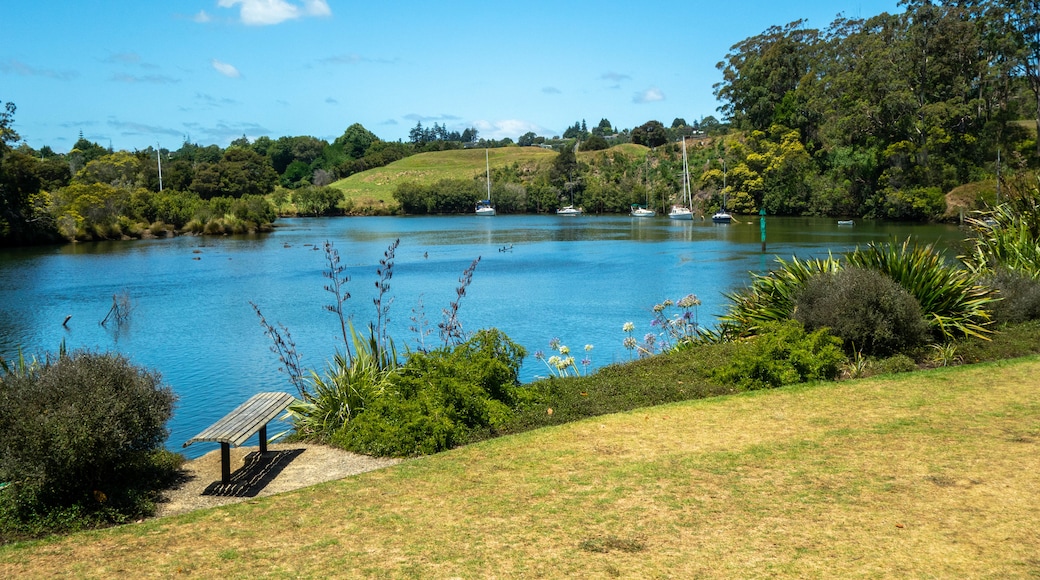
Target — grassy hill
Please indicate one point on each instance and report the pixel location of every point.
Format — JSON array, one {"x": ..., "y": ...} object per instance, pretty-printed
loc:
[
  {"x": 375, "y": 187},
  {"x": 927, "y": 474}
]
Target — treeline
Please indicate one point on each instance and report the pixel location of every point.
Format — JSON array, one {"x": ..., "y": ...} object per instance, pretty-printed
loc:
[
  {"x": 881, "y": 116},
  {"x": 93, "y": 192}
]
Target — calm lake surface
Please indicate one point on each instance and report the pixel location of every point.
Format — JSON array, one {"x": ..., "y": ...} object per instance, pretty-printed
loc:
[{"x": 578, "y": 279}]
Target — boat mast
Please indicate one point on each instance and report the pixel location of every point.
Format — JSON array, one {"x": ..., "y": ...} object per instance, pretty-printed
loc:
[
  {"x": 158, "y": 159},
  {"x": 487, "y": 164},
  {"x": 686, "y": 177}
]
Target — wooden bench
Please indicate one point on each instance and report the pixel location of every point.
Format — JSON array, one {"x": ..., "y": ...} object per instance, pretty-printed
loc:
[{"x": 239, "y": 425}]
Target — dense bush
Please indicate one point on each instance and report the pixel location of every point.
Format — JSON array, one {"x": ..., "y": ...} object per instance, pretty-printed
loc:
[
  {"x": 435, "y": 399},
  {"x": 951, "y": 300},
  {"x": 782, "y": 353},
  {"x": 1020, "y": 296},
  {"x": 81, "y": 434},
  {"x": 444, "y": 196},
  {"x": 869, "y": 311}
]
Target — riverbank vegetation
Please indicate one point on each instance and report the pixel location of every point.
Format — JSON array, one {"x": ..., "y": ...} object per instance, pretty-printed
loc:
[
  {"x": 939, "y": 96},
  {"x": 82, "y": 437}
]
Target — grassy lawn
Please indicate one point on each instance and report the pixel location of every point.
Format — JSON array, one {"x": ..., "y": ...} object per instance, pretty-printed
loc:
[
  {"x": 926, "y": 474},
  {"x": 376, "y": 186}
]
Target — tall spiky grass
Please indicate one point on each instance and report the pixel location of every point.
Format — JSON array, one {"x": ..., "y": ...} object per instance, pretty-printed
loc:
[
  {"x": 950, "y": 297},
  {"x": 338, "y": 394},
  {"x": 770, "y": 297},
  {"x": 1004, "y": 238}
]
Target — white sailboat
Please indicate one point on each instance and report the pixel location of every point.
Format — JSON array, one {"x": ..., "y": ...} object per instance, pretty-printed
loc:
[
  {"x": 570, "y": 210},
  {"x": 722, "y": 216},
  {"x": 682, "y": 211},
  {"x": 642, "y": 211},
  {"x": 484, "y": 206}
]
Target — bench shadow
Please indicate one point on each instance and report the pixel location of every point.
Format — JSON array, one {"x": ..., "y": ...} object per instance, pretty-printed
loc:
[{"x": 258, "y": 471}]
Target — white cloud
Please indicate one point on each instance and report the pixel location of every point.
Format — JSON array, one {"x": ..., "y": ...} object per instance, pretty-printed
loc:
[
  {"x": 201, "y": 17},
  {"x": 317, "y": 8},
  {"x": 265, "y": 12},
  {"x": 650, "y": 95},
  {"x": 226, "y": 69}
]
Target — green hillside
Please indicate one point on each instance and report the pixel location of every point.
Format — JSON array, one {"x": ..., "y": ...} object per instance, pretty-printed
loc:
[{"x": 375, "y": 187}]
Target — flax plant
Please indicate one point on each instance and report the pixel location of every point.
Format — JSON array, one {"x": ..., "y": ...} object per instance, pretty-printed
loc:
[
  {"x": 336, "y": 396},
  {"x": 338, "y": 281},
  {"x": 382, "y": 300},
  {"x": 1004, "y": 238},
  {"x": 949, "y": 295},
  {"x": 451, "y": 327},
  {"x": 951, "y": 299},
  {"x": 769, "y": 298}
]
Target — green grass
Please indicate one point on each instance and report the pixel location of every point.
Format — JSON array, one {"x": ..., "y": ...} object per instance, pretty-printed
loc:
[
  {"x": 926, "y": 474},
  {"x": 375, "y": 187}
]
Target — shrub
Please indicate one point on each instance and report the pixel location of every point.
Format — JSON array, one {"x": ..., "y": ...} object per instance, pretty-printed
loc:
[
  {"x": 82, "y": 434},
  {"x": 433, "y": 402},
  {"x": 866, "y": 309},
  {"x": 782, "y": 354},
  {"x": 952, "y": 301},
  {"x": 1019, "y": 293}
]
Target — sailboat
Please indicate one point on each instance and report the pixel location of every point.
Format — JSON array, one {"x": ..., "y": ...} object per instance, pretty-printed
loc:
[
  {"x": 484, "y": 206},
  {"x": 722, "y": 216},
  {"x": 570, "y": 209},
  {"x": 682, "y": 210},
  {"x": 643, "y": 210}
]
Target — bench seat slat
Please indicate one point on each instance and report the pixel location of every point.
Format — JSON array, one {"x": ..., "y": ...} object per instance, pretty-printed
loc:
[{"x": 240, "y": 424}]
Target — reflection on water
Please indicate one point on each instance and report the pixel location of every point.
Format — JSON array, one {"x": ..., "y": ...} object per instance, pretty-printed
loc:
[{"x": 579, "y": 279}]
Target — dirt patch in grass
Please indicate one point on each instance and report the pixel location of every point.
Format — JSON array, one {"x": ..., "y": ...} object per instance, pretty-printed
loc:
[{"x": 284, "y": 468}]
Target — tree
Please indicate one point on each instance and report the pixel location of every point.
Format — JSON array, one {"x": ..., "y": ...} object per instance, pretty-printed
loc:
[
  {"x": 527, "y": 139},
  {"x": 1019, "y": 21},
  {"x": 245, "y": 172},
  {"x": 118, "y": 169},
  {"x": 678, "y": 122},
  {"x": 651, "y": 134},
  {"x": 594, "y": 143},
  {"x": 603, "y": 129},
  {"x": 761, "y": 73},
  {"x": 356, "y": 140},
  {"x": 7, "y": 132},
  {"x": 19, "y": 187}
]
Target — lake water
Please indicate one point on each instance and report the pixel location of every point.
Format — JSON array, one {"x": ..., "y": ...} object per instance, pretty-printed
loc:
[{"x": 577, "y": 279}]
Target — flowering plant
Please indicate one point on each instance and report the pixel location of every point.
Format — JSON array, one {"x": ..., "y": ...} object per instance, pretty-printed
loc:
[
  {"x": 678, "y": 328},
  {"x": 563, "y": 363},
  {"x": 674, "y": 330}
]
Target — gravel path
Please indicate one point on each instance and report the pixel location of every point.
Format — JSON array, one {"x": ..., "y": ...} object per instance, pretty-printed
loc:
[{"x": 285, "y": 467}]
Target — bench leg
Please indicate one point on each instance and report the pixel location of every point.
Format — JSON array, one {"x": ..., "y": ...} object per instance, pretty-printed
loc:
[
  {"x": 225, "y": 463},
  {"x": 263, "y": 439}
]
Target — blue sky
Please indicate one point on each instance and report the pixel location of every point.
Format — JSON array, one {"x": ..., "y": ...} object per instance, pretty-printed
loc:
[{"x": 134, "y": 73}]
